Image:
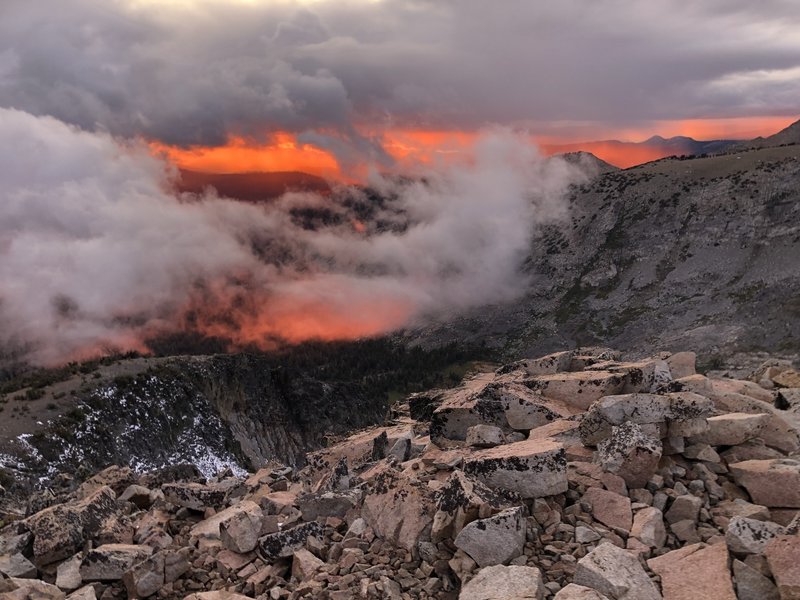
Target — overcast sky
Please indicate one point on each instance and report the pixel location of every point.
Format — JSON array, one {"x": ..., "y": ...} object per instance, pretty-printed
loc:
[
  {"x": 96, "y": 252},
  {"x": 193, "y": 72}
]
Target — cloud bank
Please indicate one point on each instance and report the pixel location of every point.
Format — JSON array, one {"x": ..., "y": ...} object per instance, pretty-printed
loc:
[
  {"x": 96, "y": 250},
  {"x": 338, "y": 72}
]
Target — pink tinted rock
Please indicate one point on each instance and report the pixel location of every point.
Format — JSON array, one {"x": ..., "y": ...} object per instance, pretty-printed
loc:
[
  {"x": 696, "y": 571},
  {"x": 609, "y": 508},
  {"x": 782, "y": 555}
]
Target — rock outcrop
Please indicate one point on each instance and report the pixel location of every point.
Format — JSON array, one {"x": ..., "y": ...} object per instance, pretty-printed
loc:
[{"x": 505, "y": 489}]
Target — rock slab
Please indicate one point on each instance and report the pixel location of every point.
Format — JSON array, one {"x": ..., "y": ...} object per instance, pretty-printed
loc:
[
  {"x": 504, "y": 583},
  {"x": 696, "y": 571}
]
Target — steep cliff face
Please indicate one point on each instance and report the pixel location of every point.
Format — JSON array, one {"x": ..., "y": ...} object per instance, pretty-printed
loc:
[
  {"x": 274, "y": 414},
  {"x": 213, "y": 411},
  {"x": 698, "y": 254}
]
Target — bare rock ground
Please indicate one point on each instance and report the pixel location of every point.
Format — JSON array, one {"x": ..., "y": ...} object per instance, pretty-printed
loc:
[{"x": 666, "y": 484}]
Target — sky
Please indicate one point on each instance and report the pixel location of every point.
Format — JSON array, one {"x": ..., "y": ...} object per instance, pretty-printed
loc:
[
  {"x": 381, "y": 81},
  {"x": 101, "y": 100}
]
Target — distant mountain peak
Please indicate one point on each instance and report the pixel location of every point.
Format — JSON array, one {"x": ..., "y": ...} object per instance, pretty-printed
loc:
[
  {"x": 589, "y": 162},
  {"x": 787, "y": 135}
]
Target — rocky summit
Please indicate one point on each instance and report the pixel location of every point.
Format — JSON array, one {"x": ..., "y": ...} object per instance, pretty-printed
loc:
[{"x": 578, "y": 475}]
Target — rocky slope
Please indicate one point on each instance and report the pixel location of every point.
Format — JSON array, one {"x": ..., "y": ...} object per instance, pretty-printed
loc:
[
  {"x": 572, "y": 476},
  {"x": 788, "y": 136},
  {"x": 684, "y": 254},
  {"x": 213, "y": 411}
]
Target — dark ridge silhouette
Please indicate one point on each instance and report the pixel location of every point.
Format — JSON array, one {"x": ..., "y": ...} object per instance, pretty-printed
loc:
[
  {"x": 785, "y": 137},
  {"x": 252, "y": 187}
]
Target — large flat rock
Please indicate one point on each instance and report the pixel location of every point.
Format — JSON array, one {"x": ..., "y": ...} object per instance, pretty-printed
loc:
[
  {"x": 642, "y": 409},
  {"x": 509, "y": 405},
  {"x": 504, "y": 583},
  {"x": 399, "y": 509},
  {"x": 778, "y": 430},
  {"x": 531, "y": 468},
  {"x": 732, "y": 429},
  {"x": 495, "y": 540},
  {"x": 578, "y": 389},
  {"x": 696, "y": 571},
  {"x": 772, "y": 483},
  {"x": 60, "y": 531}
]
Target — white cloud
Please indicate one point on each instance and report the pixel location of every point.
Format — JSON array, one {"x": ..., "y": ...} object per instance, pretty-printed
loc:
[{"x": 95, "y": 251}]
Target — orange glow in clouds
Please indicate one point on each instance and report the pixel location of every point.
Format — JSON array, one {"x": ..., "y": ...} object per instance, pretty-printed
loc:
[
  {"x": 331, "y": 308},
  {"x": 418, "y": 147},
  {"x": 284, "y": 153},
  {"x": 326, "y": 309}
]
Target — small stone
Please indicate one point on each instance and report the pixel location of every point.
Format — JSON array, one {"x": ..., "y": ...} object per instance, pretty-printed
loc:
[
  {"x": 305, "y": 565},
  {"x": 321, "y": 505},
  {"x": 685, "y": 531},
  {"x": 138, "y": 495},
  {"x": 110, "y": 562},
  {"x": 12, "y": 543},
  {"x": 748, "y": 536},
  {"x": 85, "y": 593},
  {"x": 648, "y": 527},
  {"x": 239, "y": 531},
  {"x": 16, "y": 565},
  {"x": 660, "y": 500},
  {"x": 724, "y": 511},
  {"x": 175, "y": 564},
  {"x": 146, "y": 577},
  {"x": 284, "y": 543},
  {"x": 673, "y": 445},
  {"x": 787, "y": 379},
  {"x": 462, "y": 565},
  {"x": 244, "y": 518},
  {"x": 31, "y": 589},
  {"x": 685, "y": 507},
  {"x": 584, "y": 535},
  {"x": 68, "y": 574},
  {"x": 752, "y": 585},
  {"x": 195, "y": 496},
  {"x": 218, "y": 595},
  {"x": 579, "y": 592},
  {"x": 495, "y": 540},
  {"x": 401, "y": 449},
  {"x": 630, "y": 453},
  {"x": 616, "y": 573},
  {"x": 609, "y": 508},
  {"x": 701, "y": 452}
]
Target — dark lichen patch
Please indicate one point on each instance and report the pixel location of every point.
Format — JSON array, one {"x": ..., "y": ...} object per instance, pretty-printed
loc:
[{"x": 281, "y": 544}]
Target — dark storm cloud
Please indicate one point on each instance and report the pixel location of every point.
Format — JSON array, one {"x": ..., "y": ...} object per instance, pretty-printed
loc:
[{"x": 198, "y": 72}]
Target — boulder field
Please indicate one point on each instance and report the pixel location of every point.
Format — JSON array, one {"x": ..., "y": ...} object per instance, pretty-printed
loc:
[{"x": 575, "y": 476}]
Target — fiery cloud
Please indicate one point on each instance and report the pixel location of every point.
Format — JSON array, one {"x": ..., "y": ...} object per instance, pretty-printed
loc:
[
  {"x": 98, "y": 252},
  {"x": 364, "y": 82},
  {"x": 237, "y": 155},
  {"x": 101, "y": 104}
]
